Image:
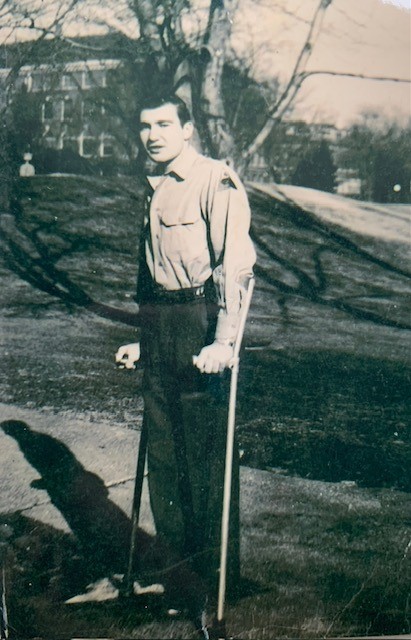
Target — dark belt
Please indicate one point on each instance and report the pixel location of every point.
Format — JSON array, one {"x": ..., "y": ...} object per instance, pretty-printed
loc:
[{"x": 158, "y": 295}]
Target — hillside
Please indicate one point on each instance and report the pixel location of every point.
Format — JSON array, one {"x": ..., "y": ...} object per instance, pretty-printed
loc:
[
  {"x": 322, "y": 421},
  {"x": 325, "y": 376}
]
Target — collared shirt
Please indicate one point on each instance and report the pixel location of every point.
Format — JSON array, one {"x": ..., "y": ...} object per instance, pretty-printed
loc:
[{"x": 197, "y": 225}]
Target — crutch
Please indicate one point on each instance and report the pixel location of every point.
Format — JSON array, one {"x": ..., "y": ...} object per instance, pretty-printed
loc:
[
  {"x": 225, "y": 520},
  {"x": 4, "y": 624},
  {"x": 138, "y": 489}
]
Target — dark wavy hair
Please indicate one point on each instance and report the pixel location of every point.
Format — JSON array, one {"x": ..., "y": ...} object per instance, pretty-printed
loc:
[{"x": 158, "y": 100}]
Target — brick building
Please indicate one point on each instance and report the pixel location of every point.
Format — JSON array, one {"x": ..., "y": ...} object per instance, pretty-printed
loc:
[{"x": 74, "y": 104}]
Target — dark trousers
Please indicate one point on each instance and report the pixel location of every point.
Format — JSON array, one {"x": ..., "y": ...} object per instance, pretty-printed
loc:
[{"x": 186, "y": 416}]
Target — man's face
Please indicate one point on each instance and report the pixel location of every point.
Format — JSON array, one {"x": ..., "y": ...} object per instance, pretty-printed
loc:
[{"x": 162, "y": 134}]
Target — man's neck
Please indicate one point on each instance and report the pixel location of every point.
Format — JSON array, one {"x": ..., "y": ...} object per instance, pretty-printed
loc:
[{"x": 168, "y": 166}]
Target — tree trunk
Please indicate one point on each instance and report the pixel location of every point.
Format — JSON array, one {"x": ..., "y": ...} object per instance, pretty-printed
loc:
[
  {"x": 216, "y": 133},
  {"x": 150, "y": 33}
]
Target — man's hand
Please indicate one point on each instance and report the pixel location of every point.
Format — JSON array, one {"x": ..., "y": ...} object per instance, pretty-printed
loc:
[
  {"x": 214, "y": 358},
  {"x": 128, "y": 355}
]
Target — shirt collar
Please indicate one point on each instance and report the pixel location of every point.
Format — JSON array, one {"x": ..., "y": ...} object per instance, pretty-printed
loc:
[{"x": 179, "y": 167}]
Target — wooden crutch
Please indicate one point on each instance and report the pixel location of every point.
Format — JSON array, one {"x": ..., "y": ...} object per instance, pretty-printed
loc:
[{"x": 225, "y": 520}]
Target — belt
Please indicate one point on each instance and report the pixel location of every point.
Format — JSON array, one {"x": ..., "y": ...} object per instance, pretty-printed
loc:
[{"x": 158, "y": 295}]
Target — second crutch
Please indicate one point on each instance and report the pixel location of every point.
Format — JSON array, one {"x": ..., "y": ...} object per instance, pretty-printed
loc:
[{"x": 225, "y": 521}]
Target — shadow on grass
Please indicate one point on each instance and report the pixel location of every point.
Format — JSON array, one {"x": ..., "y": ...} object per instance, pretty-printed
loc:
[
  {"x": 327, "y": 416},
  {"x": 340, "y": 560},
  {"x": 46, "y": 566},
  {"x": 101, "y": 527}
]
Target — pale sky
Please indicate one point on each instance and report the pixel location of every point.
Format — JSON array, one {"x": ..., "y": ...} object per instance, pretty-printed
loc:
[
  {"x": 369, "y": 37},
  {"x": 406, "y": 4}
]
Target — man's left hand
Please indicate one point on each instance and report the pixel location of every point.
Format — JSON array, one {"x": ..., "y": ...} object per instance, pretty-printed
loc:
[{"x": 214, "y": 358}]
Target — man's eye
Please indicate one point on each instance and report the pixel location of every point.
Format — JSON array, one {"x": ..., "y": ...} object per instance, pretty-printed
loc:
[{"x": 164, "y": 124}]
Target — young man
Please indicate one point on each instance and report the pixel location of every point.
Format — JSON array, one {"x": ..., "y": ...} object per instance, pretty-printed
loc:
[{"x": 196, "y": 258}]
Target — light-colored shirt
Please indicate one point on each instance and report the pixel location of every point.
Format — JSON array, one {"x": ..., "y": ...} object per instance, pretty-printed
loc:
[{"x": 197, "y": 226}]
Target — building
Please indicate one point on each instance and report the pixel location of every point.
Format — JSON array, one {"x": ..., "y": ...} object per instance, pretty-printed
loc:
[
  {"x": 73, "y": 101},
  {"x": 77, "y": 100},
  {"x": 70, "y": 116},
  {"x": 83, "y": 111}
]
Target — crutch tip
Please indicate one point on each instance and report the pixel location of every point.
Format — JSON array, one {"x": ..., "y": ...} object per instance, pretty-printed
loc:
[{"x": 217, "y": 630}]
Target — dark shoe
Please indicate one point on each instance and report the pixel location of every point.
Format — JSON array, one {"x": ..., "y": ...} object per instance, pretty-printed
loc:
[{"x": 217, "y": 630}]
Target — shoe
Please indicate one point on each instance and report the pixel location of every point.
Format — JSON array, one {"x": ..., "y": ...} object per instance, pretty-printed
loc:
[
  {"x": 99, "y": 591},
  {"x": 155, "y": 589}
]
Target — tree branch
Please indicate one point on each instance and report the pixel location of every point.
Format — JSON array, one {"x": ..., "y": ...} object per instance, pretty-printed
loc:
[
  {"x": 361, "y": 76},
  {"x": 294, "y": 83},
  {"x": 282, "y": 105}
]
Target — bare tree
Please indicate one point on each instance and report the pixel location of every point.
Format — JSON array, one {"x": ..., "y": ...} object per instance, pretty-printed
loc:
[{"x": 185, "y": 46}]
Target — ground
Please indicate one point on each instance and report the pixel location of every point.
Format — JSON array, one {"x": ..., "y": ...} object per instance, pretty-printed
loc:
[{"x": 322, "y": 418}]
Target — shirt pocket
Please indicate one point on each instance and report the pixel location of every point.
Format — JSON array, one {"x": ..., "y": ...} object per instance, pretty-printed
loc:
[
  {"x": 175, "y": 218},
  {"x": 183, "y": 234}
]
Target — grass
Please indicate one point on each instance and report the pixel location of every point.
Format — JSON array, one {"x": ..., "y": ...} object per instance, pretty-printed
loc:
[{"x": 322, "y": 413}]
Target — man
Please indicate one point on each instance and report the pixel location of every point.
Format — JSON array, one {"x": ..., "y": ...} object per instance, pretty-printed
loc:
[{"x": 195, "y": 261}]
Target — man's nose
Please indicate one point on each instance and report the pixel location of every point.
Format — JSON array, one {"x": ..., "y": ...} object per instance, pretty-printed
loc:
[{"x": 153, "y": 134}]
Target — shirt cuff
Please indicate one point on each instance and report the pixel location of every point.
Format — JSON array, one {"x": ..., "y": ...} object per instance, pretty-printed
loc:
[{"x": 227, "y": 326}]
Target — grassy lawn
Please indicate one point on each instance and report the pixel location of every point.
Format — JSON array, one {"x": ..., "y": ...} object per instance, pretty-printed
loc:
[{"x": 323, "y": 410}]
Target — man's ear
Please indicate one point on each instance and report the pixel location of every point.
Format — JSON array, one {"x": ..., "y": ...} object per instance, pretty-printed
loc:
[{"x": 188, "y": 130}]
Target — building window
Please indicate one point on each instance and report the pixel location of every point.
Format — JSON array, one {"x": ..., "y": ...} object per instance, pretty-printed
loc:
[
  {"x": 45, "y": 82},
  {"x": 92, "y": 79},
  {"x": 99, "y": 78},
  {"x": 88, "y": 146},
  {"x": 67, "y": 109},
  {"x": 37, "y": 82},
  {"x": 106, "y": 146},
  {"x": 68, "y": 82},
  {"x": 47, "y": 111}
]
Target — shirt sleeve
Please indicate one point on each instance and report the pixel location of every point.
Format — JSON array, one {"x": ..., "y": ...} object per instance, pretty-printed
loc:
[{"x": 233, "y": 252}]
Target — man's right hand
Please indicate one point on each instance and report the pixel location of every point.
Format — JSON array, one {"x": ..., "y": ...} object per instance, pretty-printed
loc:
[{"x": 128, "y": 355}]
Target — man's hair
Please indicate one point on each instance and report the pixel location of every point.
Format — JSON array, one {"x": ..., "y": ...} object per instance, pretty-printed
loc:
[{"x": 158, "y": 100}]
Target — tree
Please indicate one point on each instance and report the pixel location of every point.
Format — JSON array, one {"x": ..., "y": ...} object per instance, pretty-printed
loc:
[
  {"x": 181, "y": 46},
  {"x": 378, "y": 149},
  {"x": 184, "y": 45},
  {"x": 316, "y": 169},
  {"x": 26, "y": 126}
]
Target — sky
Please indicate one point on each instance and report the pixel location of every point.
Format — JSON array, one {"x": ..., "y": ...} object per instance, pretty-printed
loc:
[
  {"x": 378, "y": 43},
  {"x": 406, "y": 4},
  {"x": 370, "y": 37}
]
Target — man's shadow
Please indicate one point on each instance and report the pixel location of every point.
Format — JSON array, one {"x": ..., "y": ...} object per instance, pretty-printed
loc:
[{"x": 101, "y": 528}]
